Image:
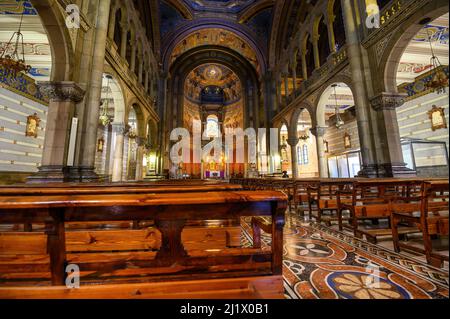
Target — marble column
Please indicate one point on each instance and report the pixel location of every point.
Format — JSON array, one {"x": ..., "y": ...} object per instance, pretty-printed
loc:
[
  {"x": 112, "y": 23},
  {"x": 286, "y": 88},
  {"x": 294, "y": 79},
  {"x": 392, "y": 163},
  {"x": 316, "y": 52},
  {"x": 133, "y": 58},
  {"x": 146, "y": 82},
  {"x": 63, "y": 97},
  {"x": 119, "y": 129},
  {"x": 331, "y": 37},
  {"x": 279, "y": 97},
  {"x": 140, "y": 158},
  {"x": 369, "y": 166},
  {"x": 319, "y": 133},
  {"x": 140, "y": 69},
  {"x": 85, "y": 171},
  {"x": 293, "y": 141}
]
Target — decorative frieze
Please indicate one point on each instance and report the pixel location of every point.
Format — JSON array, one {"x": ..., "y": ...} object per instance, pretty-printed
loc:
[
  {"x": 61, "y": 91},
  {"x": 388, "y": 101}
]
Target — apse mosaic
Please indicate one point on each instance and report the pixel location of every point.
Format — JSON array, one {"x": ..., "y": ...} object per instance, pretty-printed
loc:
[
  {"x": 321, "y": 263},
  {"x": 216, "y": 36}
]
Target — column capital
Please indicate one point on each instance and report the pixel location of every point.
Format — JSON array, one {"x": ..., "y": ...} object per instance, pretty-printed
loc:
[
  {"x": 65, "y": 91},
  {"x": 293, "y": 141},
  {"x": 388, "y": 101},
  {"x": 318, "y": 131}
]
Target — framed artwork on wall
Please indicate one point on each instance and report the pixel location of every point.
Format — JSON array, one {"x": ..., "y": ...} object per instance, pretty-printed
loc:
[
  {"x": 437, "y": 117},
  {"x": 32, "y": 125},
  {"x": 347, "y": 140}
]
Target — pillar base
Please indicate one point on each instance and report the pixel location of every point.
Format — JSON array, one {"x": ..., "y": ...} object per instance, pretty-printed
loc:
[
  {"x": 386, "y": 170},
  {"x": 395, "y": 170},
  {"x": 82, "y": 174},
  {"x": 49, "y": 174}
]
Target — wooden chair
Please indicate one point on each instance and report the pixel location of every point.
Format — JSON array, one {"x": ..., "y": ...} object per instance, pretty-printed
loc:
[{"x": 430, "y": 215}]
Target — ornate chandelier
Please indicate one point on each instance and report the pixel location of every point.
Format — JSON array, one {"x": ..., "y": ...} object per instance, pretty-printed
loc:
[
  {"x": 104, "y": 117},
  {"x": 14, "y": 62},
  {"x": 439, "y": 80},
  {"x": 339, "y": 121}
]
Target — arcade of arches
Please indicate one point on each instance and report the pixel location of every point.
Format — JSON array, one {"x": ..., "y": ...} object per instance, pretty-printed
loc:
[{"x": 343, "y": 98}]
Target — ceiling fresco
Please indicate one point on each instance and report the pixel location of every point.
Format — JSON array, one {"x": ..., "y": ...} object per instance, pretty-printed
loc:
[
  {"x": 216, "y": 36},
  {"x": 233, "y": 6},
  {"x": 213, "y": 75}
]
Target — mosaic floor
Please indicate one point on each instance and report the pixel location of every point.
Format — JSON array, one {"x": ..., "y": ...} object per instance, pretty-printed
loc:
[{"x": 323, "y": 263}]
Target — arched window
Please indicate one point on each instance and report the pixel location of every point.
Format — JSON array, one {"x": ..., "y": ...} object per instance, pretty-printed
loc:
[
  {"x": 305, "y": 155},
  {"x": 128, "y": 51},
  {"x": 338, "y": 25},
  {"x": 118, "y": 29},
  {"x": 324, "y": 45},
  {"x": 212, "y": 126},
  {"x": 310, "y": 64},
  {"x": 299, "y": 156}
]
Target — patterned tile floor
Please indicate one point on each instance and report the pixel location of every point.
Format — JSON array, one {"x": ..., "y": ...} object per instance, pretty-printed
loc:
[{"x": 323, "y": 263}]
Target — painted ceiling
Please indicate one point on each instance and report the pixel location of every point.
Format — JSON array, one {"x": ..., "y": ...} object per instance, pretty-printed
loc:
[
  {"x": 219, "y": 5},
  {"x": 213, "y": 75}
]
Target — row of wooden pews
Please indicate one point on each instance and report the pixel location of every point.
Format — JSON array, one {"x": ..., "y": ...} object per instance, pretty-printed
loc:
[
  {"x": 138, "y": 240},
  {"x": 371, "y": 208}
]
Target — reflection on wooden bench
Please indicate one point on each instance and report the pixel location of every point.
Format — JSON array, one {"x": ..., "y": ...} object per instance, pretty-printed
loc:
[
  {"x": 147, "y": 256},
  {"x": 430, "y": 214}
]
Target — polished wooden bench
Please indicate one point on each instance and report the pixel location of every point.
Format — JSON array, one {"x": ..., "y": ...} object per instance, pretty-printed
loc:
[
  {"x": 170, "y": 211},
  {"x": 225, "y": 233},
  {"x": 372, "y": 200},
  {"x": 429, "y": 213}
]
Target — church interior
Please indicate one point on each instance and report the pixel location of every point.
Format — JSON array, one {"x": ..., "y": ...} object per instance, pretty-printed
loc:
[{"x": 96, "y": 201}]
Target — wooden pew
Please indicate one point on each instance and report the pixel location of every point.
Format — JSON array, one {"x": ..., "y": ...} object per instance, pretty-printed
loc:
[
  {"x": 372, "y": 199},
  {"x": 430, "y": 214},
  {"x": 84, "y": 236},
  {"x": 171, "y": 262}
]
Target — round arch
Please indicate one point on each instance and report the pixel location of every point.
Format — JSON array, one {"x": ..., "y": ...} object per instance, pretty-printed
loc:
[
  {"x": 118, "y": 95},
  {"x": 134, "y": 104},
  {"x": 220, "y": 55},
  {"x": 400, "y": 39},
  {"x": 324, "y": 93},
  {"x": 59, "y": 38},
  {"x": 202, "y": 24}
]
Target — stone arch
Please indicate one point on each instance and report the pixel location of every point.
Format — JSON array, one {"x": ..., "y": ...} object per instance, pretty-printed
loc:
[
  {"x": 324, "y": 93},
  {"x": 400, "y": 38},
  {"x": 220, "y": 55},
  {"x": 59, "y": 38},
  {"x": 118, "y": 91},
  {"x": 202, "y": 24},
  {"x": 305, "y": 105},
  {"x": 134, "y": 103}
]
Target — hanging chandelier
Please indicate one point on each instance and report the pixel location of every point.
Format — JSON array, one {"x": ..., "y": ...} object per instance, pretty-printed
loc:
[
  {"x": 439, "y": 80},
  {"x": 339, "y": 121},
  {"x": 306, "y": 135},
  {"x": 14, "y": 62},
  {"x": 104, "y": 118}
]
